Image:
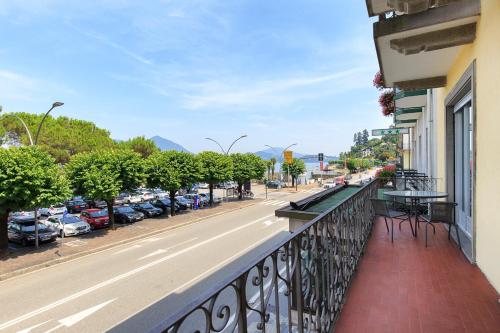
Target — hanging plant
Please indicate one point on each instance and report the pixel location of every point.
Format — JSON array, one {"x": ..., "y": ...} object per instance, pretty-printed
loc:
[
  {"x": 386, "y": 101},
  {"x": 378, "y": 81}
]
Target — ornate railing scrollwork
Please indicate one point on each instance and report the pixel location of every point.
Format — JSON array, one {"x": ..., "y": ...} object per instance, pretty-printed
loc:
[{"x": 298, "y": 286}]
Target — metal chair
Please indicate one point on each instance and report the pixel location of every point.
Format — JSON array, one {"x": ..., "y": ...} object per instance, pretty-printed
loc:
[
  {"x": 442, "y": 212},
  {"x": 381, "y": 208}
]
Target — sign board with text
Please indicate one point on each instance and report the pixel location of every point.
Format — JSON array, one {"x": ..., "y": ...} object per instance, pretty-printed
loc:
[
  {"x": 390, "y": 131},
  {"x": 288, "y": 155}
]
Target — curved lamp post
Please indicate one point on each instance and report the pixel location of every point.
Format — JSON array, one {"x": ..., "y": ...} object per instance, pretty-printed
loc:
[
  {"x": 25, "y": 127},
  {"x": 231, "y": 146},
  {"x": 54, "y": 105}
]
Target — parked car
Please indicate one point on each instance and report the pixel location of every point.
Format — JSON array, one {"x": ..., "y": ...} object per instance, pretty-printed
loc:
[
  {"x": 147, "y": 209},
  {"x": 181, "y": 202},
  {"x": 164, "y": 205},
  {"x": 160, "y": 194},
  {"x": 128, "y": 198},
  {"x": 76, "y": 205},
  {"x": 21, "y": 229},
  {"x": 126, "y": 214},
  {"x": 192, "y": 197},
  {"x": 57, "y": 209},
  {"x": 67, "y": 225},
  {"x": 329, "y": 185},
  {"x": 228, "y": 185},
  {"x": 13, "y": 215},
  {"x": 206, "y": 197},
  {"x": 96, "y": 203},
  {"x": 184, "y": 201},
  {"x": 203, "y": 185},
  {"x": 145, "y": 195},
  {"x": 96, "y": 218},
  {"x": 276, "y": 184}
]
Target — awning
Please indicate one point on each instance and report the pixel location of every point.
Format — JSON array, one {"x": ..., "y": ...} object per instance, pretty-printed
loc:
[
  {"x": 411, "y": 98},
  {"x": 408, "y": 114},
  {"x": 405, "y": 123}
]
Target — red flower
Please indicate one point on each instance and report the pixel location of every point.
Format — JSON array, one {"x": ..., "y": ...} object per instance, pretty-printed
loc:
[
  {"x": 378, "y": 81},
  {"x": 386, "y": 101}
]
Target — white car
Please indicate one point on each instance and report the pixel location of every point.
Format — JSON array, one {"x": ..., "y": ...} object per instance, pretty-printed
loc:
[
  {"x": 146, "y": 195},
  {"x": 71, "y": 224},
  {"x": 160, "y": 194},
  {"x": 128, "y": 198},
  {"x": 57, "y": 209},
  {"x": 329, "y": 185},
  {"x": 203, "y": 185}
]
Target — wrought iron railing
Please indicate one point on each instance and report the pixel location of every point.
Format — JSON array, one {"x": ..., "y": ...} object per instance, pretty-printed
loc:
[
  {"x": 298, "y": 286},
  {"x": 415, "y": 183}
]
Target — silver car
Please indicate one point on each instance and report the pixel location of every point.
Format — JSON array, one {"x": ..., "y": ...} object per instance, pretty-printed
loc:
[{"x": 67, "y": 225}]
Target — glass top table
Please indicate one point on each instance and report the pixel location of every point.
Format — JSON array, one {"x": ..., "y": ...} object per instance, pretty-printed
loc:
[{"x": 415, "y": 197}]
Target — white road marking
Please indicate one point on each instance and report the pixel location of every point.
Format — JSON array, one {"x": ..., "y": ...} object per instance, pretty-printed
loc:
[
  {"x": 122, "y": 276},
  {"x": 268, "y": 222},
  {"x": 73, "y": 319},
  {"x": 28, "y": 330},
  {"x": 128, "y": 248},
  {"x": 152, "y": 239},
  {"x": 152, "y": 254}
]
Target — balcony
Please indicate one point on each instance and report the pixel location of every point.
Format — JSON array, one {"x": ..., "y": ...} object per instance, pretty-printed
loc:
[
  {"x": 340, "y": 271},
  {"x": 405, "y": 123},
  {"x": 414, "y": 51},
  {"x": 410, "y": 98}
]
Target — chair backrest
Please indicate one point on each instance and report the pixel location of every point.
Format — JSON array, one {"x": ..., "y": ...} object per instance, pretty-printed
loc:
[
  {"x": 380, "y": 207},
  {"x": 442, "y": 212},
  {"x": 399, "y": 184}
]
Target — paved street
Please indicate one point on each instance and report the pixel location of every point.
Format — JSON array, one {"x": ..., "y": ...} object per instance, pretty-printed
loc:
[{"x": 99, "y": 291}]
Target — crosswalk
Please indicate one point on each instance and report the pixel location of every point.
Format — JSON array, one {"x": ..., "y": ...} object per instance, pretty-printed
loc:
[
  {"x": 312, "y": 191},
  {"x": 274, "y": 202}
]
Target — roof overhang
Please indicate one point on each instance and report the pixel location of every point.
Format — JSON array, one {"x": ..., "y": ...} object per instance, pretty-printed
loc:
[
  {"x": 405, "y": 123},
  {"x": 380, "y": 7},
  {"x": 408, "y": 114},
  {"x": 416, "y": 51},
  {"x": 411, "y": 98}
]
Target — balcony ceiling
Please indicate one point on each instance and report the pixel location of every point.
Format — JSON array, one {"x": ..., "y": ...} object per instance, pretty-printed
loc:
[
  {"x": 416, "y": 51},
  {"x": 405, "y": 123}
]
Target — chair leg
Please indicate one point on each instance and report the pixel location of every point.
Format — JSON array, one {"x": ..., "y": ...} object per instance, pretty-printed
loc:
[
  {"x": 386, "y": 225},
  {"x": 449, "y": 231},
  {"x": 392, "y": 230},
  {"x": 458, "y": 235},
  {"x": 426, "y": 234}
]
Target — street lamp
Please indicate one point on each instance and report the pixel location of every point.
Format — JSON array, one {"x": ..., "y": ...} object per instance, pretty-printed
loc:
[
  {"x": 25, "y": 127},
  {"x": 54, "y": 105},
  {"x": 281, "y": 157},
  {"x": 231, "y": 146}
]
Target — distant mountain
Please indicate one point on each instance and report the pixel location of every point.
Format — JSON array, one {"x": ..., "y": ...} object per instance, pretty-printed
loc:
[
  {"x": 270, "y": 153},
  {"x": 165, "y": 144}
]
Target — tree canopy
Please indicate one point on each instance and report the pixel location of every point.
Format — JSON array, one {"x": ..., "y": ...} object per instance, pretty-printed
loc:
[
  {"x": 29, "y": 178},
  {"x": 215, "y": 168},
  {"x": 145, "y": 147},
  {"x": 104, "y": 174},
  {"x": 172, "y": 170},
  {"x": 296, "y": 168},
  {"x": 61, "y": 137},
  {"x": 247, "y": 167}
]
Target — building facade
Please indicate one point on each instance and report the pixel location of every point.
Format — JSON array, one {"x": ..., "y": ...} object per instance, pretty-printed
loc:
[{"x": 442, "y": 57}]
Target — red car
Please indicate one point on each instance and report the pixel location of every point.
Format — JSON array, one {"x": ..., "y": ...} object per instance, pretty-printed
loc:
[{"x": 97, "y": 218}]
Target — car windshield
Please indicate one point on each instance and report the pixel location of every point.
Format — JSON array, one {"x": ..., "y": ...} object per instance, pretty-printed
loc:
[
  {"x": 101, "y": 213},
  {"x": 58, "y": 206},
  {"x": 165, "y": 201},
  {"x": 146, "y": 205},
  {"x": 77, "y": 202},
  {"x": 70, "y": 219},
  {"x": 125, "y": 210},
  {"x": 30, "y": 226}
]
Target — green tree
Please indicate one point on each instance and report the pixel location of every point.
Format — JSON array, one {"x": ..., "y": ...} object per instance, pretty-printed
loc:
[
  {"x": 104, "y": 174},
  {"x": 29, "y": 178},
  {"x": 172, "y": 170},
  {"x": 273, "y": 166},
  {"x": 61, "y": 137},
  {"x": 296, "y": 168},
  {"x": 145, "y": 147},
  {"x": 245, "y": 168},
  {"x": 215, "y": 168}
]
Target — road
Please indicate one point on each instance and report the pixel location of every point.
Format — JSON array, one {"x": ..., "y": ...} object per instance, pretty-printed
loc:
[{"x": 97, "y": 292}]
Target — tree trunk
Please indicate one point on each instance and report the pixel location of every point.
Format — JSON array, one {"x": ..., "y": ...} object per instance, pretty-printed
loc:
[
  {"x": 240, "y": 190},
  {"x": 211, "y": 189},
  {"x": 272, "y": 172},
  {"x": 293, "y": 181},
  {"x": 4, "y": 239},
  {"x": 172, "y": 202},
  {"x": 111, "y": 215}
]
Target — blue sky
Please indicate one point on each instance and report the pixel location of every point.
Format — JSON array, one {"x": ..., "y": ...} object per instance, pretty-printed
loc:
[{"x": 279, "y": 71}]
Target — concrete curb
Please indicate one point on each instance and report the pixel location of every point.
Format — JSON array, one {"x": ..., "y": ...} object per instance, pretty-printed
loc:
[{"x": 53, "y": 262}]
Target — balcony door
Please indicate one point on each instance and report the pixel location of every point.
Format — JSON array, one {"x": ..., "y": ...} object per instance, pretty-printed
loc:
[{"x": 464, "y": 163}]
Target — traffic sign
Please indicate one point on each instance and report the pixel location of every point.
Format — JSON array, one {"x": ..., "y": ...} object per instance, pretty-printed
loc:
[
  {"x": 288, "y": 154},
  {"x": 321, "y": 157},
  {"x": 390, "y": 131}
]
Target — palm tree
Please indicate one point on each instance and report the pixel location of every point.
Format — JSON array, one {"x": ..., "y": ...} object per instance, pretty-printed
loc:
[{"x": 273, "y": 163}]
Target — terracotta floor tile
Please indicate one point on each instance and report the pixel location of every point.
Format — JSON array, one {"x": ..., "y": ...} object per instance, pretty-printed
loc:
[{"x": 405, "y": 287}]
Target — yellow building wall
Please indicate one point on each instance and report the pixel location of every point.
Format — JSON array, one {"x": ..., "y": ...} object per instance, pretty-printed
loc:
[{"x": 486, "y": 51}]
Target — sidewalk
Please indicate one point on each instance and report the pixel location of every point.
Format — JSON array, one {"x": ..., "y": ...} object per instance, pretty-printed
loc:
[{"x": 21, "y": 260}]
